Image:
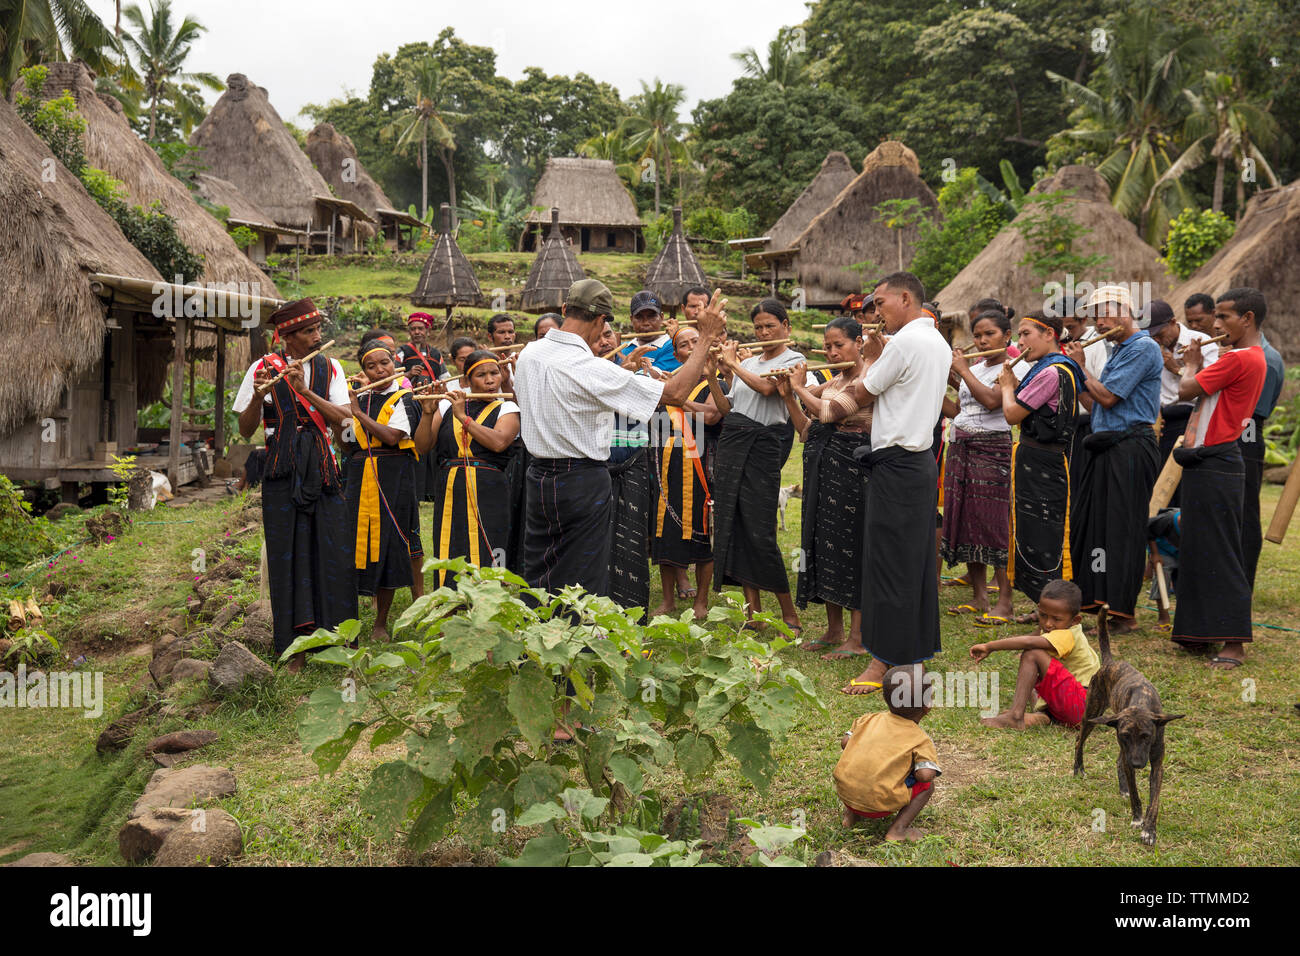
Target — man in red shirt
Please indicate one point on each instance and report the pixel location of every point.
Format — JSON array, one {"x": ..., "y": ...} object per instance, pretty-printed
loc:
[{"x": 1214, "y": 590}]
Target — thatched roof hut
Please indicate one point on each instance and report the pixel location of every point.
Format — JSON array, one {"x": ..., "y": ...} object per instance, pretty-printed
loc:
[
  {"x": 835, "y": 173},
  {"x": 828, "y": 257},
  {"x": 447, "y": 278},
  {"x": 997, "y": 270},
  {"x": 111, "y": 145},
  {"x": 244, "y": 141},
  {"x": 1261, "y": 253},
  {"x": 599, "y": 213},
  {"x": 243, "y": 212},
  {"x": 675, "y": 269},
  {"x": 335, "y": 158},
  {"x": 555, "y": 268}
]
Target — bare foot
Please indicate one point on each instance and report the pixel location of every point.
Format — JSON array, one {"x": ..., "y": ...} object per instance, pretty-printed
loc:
[
  {"x": 1005, "y": 720},
  {"x": 379, "y": 635},
  {"x": 911, "y": 835},
  {"x": 848, "y": 818},
  {"x": 668, "y": 609},
  {"x": 1122, "y": 625},
  {"x": 1037, "y": 719},
  {"x": 868, "y": 682},
  {"x": 850, "y": 648},
  {"x": 296, "y": 663},
  {"x": 702, "y": 606}
]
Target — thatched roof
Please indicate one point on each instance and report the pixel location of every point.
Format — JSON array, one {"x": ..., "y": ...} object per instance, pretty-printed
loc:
[
  {"x": 52, "y": 236},
  {"x": 588, "y": 191},
  {"x": 847, "y": 233},
  {"x": 675, "y": 269},
  {"x": 997, "y": 272},
  {"x": 244, "y": 140},
  {"x": 335, "y": 158},
  {"x": 555, "y": 268},
  {"x": 836, "y": 172},
  {"x": 447, "y": 278},
  {"x": 111, "y": 145},
  {"x": 243, "y": 211},
  {"x": 1261, "y": 253}
]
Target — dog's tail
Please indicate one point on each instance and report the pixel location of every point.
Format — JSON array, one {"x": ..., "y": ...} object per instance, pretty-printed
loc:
[{"x": 1103, "y": 634}]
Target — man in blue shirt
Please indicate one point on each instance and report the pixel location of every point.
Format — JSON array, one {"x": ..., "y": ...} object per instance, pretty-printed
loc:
[
  {"x": 1108, "y": 510},
  {"x": 647, "y": 318},
  {"x": 1252, "y": 453}
]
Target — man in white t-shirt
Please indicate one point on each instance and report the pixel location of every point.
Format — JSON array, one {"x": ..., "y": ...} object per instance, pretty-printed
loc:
[
  {"x": 304, "y": 517},
  {"x": 904, "y": 382},
  {"x": 1172, "y": 339}
]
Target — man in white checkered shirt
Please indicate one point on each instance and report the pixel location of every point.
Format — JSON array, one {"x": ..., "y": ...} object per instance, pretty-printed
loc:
[{"x": 568, "y": 398}]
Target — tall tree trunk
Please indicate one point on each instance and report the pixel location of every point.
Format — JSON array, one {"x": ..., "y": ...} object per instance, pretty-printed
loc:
[
  {"x": 446, "y": 156},
  {"x": 1241, "y": 197},
  {"x": 153, "y": 116},
  {"x": 656, "y": 193},
  {"x": 117, "y": 24},
  {"x": 424, "y": 174},
  {"x": 1217, "y": 205}
]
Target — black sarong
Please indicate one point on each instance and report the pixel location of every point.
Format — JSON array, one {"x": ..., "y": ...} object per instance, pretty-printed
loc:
[
  {"x": 566, "y": 536},
  {"x": 399, "y": 525},
  {"x": 1252, "y": 535},
  {"x": 1173, "y": 423},
  {"x": 1108, "y": 520},
  {"x": 834, "y": 506},
  {"x": 900, "y": 587},
  {"x": 517, "y": 478},
  {"x": 1214, "y": 591},
  {"x": 629, "y": 549},
  {"x": 309, "y": 561},
  {"x": 747, "y": 483},
  {"x": 679, "y": 516},
  {"x": 1040, "y": 502}
]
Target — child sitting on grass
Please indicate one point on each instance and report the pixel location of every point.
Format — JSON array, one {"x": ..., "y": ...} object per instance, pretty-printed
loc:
[
  {"x": 889, "y": 762},
  {"x": 1057, "y": 663}
]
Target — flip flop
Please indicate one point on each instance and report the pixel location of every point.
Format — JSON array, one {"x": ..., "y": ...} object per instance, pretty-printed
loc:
[
  {"x": 1232, "y": 661},
  {"x": 990, "y": 620},
  {"x": 1164, "y": 628},
  {"x": 687, "y": 594},
  {"x": 817, "y": 644},
  {"x": 844, "y": 655},
  {"x": 874, "y": 685},
  {"x": 956, "y": 582},
  {"x": 961, "y": 609}
]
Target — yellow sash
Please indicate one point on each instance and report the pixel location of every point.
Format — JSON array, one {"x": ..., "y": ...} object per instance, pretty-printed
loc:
[
  {"x": 369, "y": 516},
  {"x": 463, "y": 440}
]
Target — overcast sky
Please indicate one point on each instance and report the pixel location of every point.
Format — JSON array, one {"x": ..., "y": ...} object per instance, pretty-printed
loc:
[{"x": 305, "y": 52}]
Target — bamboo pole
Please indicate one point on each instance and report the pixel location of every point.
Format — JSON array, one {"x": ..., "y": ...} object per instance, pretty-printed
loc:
[
  {"x": 301, "y": 361},
  {"x": 810, "y": 368},
  {"x": 1097, "y": 338},
  {"x": 383, "y": 381},
  {"x": 507, "y": 348},
  {"x": 1203, "y": 344},
  {"x": 758, "y": 345}
]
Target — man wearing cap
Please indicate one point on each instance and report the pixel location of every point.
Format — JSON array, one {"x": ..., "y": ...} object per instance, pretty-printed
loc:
[
  {"x": 647, "y": 318},
  {"x": 304, "y": 516},
  {"x": 421, "y": 360},
  {"x": 1108, "y": 520},
  {"x": 568, "y": 399},
  {"x": 1173, "y": 339}
]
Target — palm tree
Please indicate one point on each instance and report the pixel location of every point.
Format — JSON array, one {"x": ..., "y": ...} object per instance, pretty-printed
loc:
[
  {"x": 1232, "y": 127},
  {"x": 785, "y": 60},
  {"x": 39, "y": 31},
  {"x": 427, "y": 118},
  {"x": 1130, "y": 109},
  {"x": 160, "y": 51},
  {"x": 613, "y": 147},
  {"x": 653, "y": 131}
]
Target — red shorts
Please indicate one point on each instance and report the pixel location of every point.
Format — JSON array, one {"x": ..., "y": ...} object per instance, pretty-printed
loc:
[
  {"x": 917, "y": 790},
  {"x": 1064, "y": 695}
]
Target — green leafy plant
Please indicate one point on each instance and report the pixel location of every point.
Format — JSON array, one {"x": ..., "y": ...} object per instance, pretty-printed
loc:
[
  {"x": 56, "y": 120},
  {"x": 124, "y": 467},
  {"x": 488, "y": 670},
  {"x": 1193, "y": 238},
  {"x": 973, "y": 212},
  {"x": 245, "y": 237},
  {"x": 1051, "y": 235},
  {"x": 899, "y": 215},
  {"x": 23, "y": 537},
  {"x": 159, "y": 414},
  {"x": 151, "y": 230},
  {"x": 31, "y": 646}
]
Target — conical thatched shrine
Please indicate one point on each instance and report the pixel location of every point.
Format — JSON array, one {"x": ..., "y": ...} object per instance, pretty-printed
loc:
[
  {"x": 554, "y": 270},
  {"x": 675, "y": 269},
  {"x": 447, "y": 278}
]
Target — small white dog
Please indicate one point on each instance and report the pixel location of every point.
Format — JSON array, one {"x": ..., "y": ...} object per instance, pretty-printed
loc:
[{"x": 788, "y": 492}]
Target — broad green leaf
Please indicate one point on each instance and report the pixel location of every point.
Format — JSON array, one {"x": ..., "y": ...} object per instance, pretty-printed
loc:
[
  {"x": 596, "y": 755},
  {"x": 385, "y": 661},
  {"x": 318, "y": 638},
  {"x": 330, "y": 754},
  {"x": 695, "y": 755},
  {"x": 540, "y": 813},
  {"x": 468, "y": 643},
  {"x": 485, "y": 719},
  {"x": 773, "y": 708},
  {"x": 432, "y": 821},
  {"x": 627, "y": 772},
  {"x": 581, "y": 692},
  {"x": 630, "y": 859},
  {"x": 326, "y": 715},
  {"x": 432, "y": 755},
  {"x": 416, "y": 612},
  {"x": 388, "y": 730},
  {"x": 336, "y": 655},
  {"x": 538, "y": 783},
  {"x": 542, "y": 851},
  {"x": 753, "y": 749},
  {"x": 490, "y": 816},
  {"x": 711, "y": 709},
  {"x": 584, "y": 803},
  {"x": 531, "y": 701},
  {"x": 772, "y": 839},
  {"x": 350, "y": 630},
  {"x": 392, "y": 787}
]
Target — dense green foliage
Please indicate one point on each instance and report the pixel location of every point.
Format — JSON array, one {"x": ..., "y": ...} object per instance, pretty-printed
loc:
[
  {"x": 1193, "y": 238},
  {"x": 56, "y": 120},
  {"x": 1050, "y": 236},
  {"x": 150, "y": 230},
  {"x": 972, "y": 216}
]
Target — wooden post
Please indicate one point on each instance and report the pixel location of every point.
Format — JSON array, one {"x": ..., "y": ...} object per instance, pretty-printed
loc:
[
  {"x": 219, "y": 413},
  {"x": 178, "y": 405}
]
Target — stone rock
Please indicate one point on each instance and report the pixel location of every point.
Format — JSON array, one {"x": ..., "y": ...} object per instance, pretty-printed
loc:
[
  {"x": 119, "y": 733},
  {"x": 190, "y": 669},
  {"x": 164, "y": 760},
  {"x": 43, "y": 859},
  {"x": 181, "y": 741},
  {"x": 234, "y": 665},
  {"x": 167, "y": 654},
  {"x": 61, "y": 510},
  {"x": 225, "y": 614},
  {"x": 212, "y": 839},
  {"x": 1278, "y": 474},
  {"x": 184, "y": 788},
  {"x": 142, "y": 836},
  {"x": 258, "y": 630}
]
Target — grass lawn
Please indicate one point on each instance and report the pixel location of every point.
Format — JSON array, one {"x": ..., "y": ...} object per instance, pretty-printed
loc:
[{"x": 1232, "y": 765}]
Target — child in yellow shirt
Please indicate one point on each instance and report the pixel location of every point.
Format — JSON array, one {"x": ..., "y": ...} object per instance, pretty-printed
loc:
[
  {"x": 889, "y": 763},
  {"x": 1057, "y": 663}
]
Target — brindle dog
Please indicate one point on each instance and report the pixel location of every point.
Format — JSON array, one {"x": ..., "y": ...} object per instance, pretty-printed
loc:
[{"x": 1139, "y": 723}]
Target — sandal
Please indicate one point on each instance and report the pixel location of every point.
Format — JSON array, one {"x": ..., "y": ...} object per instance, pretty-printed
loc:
[
  {"x": 874, "y": 685},
  {"x": 1233, "y": 662},
  {"x": 960, "y": 609},
  {"x": 844, "y": 655},
  {"x": 687, "y": 594},
  {"x": 990, "y": 620},
  {"x": 817, "y": 644},
  {"x": 1164, "y": 628},
  {"x": 962, "y": 581}
]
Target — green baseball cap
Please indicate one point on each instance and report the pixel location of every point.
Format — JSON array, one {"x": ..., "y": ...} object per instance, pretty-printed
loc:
[{"x": 592, "y": 296}]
